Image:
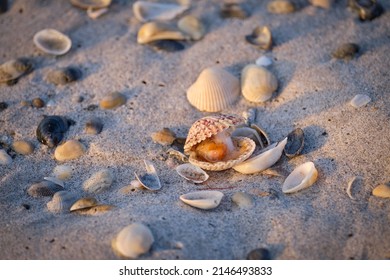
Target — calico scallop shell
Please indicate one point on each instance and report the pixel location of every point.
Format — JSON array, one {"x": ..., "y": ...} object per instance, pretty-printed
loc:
[
  {"x": 61, "y": 202},
  {"x": 146, "y": 11},
  {"x": 202, "y": 199},
  {"x": 13, "y": 69},
  {"x": 154, "y": 31},
  {"x": 52, "y": 41},
  {"x": 214, "y": 90},
  {"x": 302, "y": 177},
  {"x": 192, "y": 173},
  {"x": 91, "y": 4}
]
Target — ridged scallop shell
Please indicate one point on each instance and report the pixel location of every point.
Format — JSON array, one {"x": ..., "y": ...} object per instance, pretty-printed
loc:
[
  {"x": 52, "y": 41},
  {"x": 61, "y": 202},
  {"x": 146, "y": 11},
  {"x": 192, "y": 26},
  {"x": 93, "y": 4},
  {"x": 302, "y": 177},
  {"x": 192, "y": 173},
  {"x": 150, "y": 179},
  {"x": 154, "y": 31},
  {"x": 44, "y": 188},
  {"x": 13, "y": 69},
  {"x": 202, "y": 199},
  {"x": 257, "y": 83},
  {"x": 214, "y": 90}
]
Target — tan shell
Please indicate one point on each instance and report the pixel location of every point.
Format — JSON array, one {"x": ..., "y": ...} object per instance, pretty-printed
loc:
[
  {"x": 93, "y": 4},
  {"x": 202, "y": 199},
  {"x": 192, "y": 173},
  {"x": 261, "y": 36},
  {"x": 302, "y": 177},
  {"x": 13, "y": 69},
  {"x": 382, "y": 191},
  {"x": 95, "y": 13},
  {"x": 52, "y": 41},
  {"x": 214, "y": 90},
  {"x": 146, "y": 11},
  {"x": 153, "y": 31},
  {"x": 257, "y": 83},
  {"x": 280, "y": 7},
  {"x": 69, "y": 150},
  {"x": 192, "y": 26},
  {"x": 164, "y": 137},
  {"x": 82, "y": 203}
]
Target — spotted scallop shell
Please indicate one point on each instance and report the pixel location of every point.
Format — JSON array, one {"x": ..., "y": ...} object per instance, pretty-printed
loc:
[
  {"x": 214, "y": 90},
  {"x": 52, "y": 41}
]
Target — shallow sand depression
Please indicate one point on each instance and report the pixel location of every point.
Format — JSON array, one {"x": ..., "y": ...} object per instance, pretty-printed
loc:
[{"x": 314, "y": 93}]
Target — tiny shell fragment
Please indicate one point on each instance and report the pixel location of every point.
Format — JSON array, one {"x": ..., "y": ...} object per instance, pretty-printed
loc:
[
  {"x": 302, "y": 177},
  {"x": 360, "y": 100},
  {"x": 242, "y": 200},
  {"x": 280, "y": 7},
  {"x": 261, "y": 37},
  {"x": 23, "y": 147},
  {"x": 93, "y": 126},
  {"x": 112, "y": 100},
  {"x": 5, "y": 159},
  {"x": 192, "y": 26}
]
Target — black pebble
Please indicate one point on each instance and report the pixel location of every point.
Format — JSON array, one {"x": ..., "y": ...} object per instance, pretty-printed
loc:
[
  {"x": 3, "y": 6},
  {"x": 3, "y": 106},
  {"x": 51, "y": 130}
]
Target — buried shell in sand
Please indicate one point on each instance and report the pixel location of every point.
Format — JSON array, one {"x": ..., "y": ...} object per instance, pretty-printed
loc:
[
  {"x": 52, "y": 41},
  {"x": 202, "y": 199},
  {"x": 154, "y": 31},
  {"x": 15, "y": 68},
  {"x": 64, "y": 76},
  {"x": 99, "y": 181},
  {"x": 302, "y": 177},
  {"x": 150, "y": 179},
  {"x": 192, "y": 173},
  {"x": 261, "y": 37},
  {"x": 44, "y": 188},
  {"x": 61, "y": 202},
  {"x": 145, "y": 11}
]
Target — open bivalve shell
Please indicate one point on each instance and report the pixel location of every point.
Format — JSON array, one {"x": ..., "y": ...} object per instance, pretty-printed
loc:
[
  {"x": 145, "y": 11},
  {"x": 91, "y": 4},
  {"x": 192, "y": 173},
  {"x": 302, "y": 177},
  {"x": 214, "y": 90},
  {"x": 267, "y": 157},
  {"x": 13, "y": 69},
  {"x": 249, "y": 133},
  {"x": 154, "y": 31},
  {"x": 149, "y": 180},
  {"x": 52, "y": 41},
  {"x": 202, "y": 199}
]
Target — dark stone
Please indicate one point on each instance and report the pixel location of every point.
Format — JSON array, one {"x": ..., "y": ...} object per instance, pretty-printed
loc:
[
  {"x": 259, "y": 254},
  {"x": 167, "y": 45}
]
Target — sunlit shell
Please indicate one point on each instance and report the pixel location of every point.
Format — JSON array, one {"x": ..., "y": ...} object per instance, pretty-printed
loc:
[
  {"x": 325, "y": 4},
  {"x": 82, "y": 203},
  {"x": 202, "y": 199},
  {"x": 249, "y": 133},
  {"x": 61, "y": 202},
  {"x": 302, "y": 177},
  {"x": 93, "y": 4},
  {"x": 132, "y": 241},
  {"x": 15, "y": 68},
  {"x": 360, "y": 100},
  {"x": 146, "y": 11},
  {"x": 192, "y": 173},
  {"x": 153, "y": 31},
  {"x": 382, "y": 191},
  {"x": 164, "y": 136},
  {"x": 214, "y": 90},
  {"x": 295, "y": 143},
  {"x": 257, "y": 83},
  {"x": 267, "y": 157},
  {"x": 234, "y": 10},
  {"x": 94, "y": 210},
  {"x": 280, "y": 7},
  {"x": 192, "y": 26},
  {"x": 44, "y": 188},
  {"x": 261, "y": 37},
  {"x": 52, "y": 41},
  {"x": 150, "y": 179}
]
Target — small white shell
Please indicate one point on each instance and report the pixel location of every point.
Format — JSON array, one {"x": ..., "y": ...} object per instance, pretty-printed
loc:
[
  {"x": 61, "y": 202},
  {"x": 150, "y": 179},
  {"x": 192, "y": 26},
  {"x": 153, "y": 31},
  {"x": 132, "y": 241},
  {"x": 202, "y": 199},
  {"x": 62, "y": 172},
  {"x": 214, "y": 90},
  {"x": 91, "y": 4},
  {"x": 268, "y": 157},
  {"x": 360, "y": 100},
  {"x": 192, "y": 173},
  {"x": 5, "y": 159},
  {"x": 55, "y": 181},
  {"x": 263, "y": 61},
  {"x": 99, "y": 181},
  {"x": 52, "y": 41},
  {"x": 146, "y": 11},
  {"x": 302, "y": 177}
]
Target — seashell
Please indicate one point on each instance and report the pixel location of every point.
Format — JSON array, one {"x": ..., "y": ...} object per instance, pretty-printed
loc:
[
  {"x": 94, "y": 126},
  {"x": 242, "y": 200},
  {"x": 62, "y": 172},
  {"x": 302, "y": 177},
  {"x": 249, "y": 133},
  {"x": 214, "y": 90},
  {"x": 192, "y": 173},
  {"x": 63, "y": 76},
  {"x": 51, "y": 130},
  {"x": 82, "y": 203},
  {"x": 153, "y": 31},
  {"x": 37, "y": 103},
  {"x": 95, "y": 13},
  {"x": 366, "y": 9},
  {"x": 166, "y": 45},
  {"x": 280, "y": 7},
  {"x": 261, "y": 37},
  {"x": 263, "y": 135},
  {"x": 325, "y": 4},
  {"x": 5, "y": 159},
  {"x": 3, "y": 6},
  {"x": 99, "y": 181},
  {"x": 23, "y": 147},
  {"x": 132, "y": 241},
  {"x": 202, "y": 199},
  {"x": 346, "y": 51},
  {"x": 91, "y": 4},
  {"x": 146, "y": 11},
  {"x": 259, "y": 254},
  {"x": 164, "y": 137},
  {"x": 360, "y": 100},
  {"x": 295, "y": 142},
  {"x": 382, "y": 191},
  {"x": 182, "y": 157},
  {"x": 94, "y": 210},
  {"x": 257, "y": 83},
  {"x": 263, "y": 61},
  {"x": 14, "y": 69},
  {"x": 61, "y": 202},
  {"x": 70, "y": 150},
  {"x": 52, "y": 41},
  {"x": 112, "y": 100},
  {"x": 44, "y": 188},
  {"x": 233, "y": 10},
  {"x": 249, "y": 116},
  {"x": 150, "y": 179},
  {"x": 192, "y": 26},
  {"x": 267, "y": 157},
  {"x": 351, "y": 183},
  {"x": 55, "y": 181}
]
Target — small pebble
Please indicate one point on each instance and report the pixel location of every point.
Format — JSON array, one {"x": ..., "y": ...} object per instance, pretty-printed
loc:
[
  {"x": 64, "y": 75},
  {"x": 382, "y": 191},
  {"x": 234, "y": 10},
  {"x": 112, "y": 100},
  {"x": 259, "y": 254},
  {"x": 263, "y": 61},
  {"x": 325, "y": 4},
  {"x": 280, "y": 7},
  {"x": 23, "y": 147},
  {"x": 62, "y": 172},
  {"x": 346, "y": 51},
  {"x": 25, "y": 103},
  {"x": 360, "y": 100},
  {"x": 164, "y": 137},
  {"x": 37, "y": 103},
  {"x": 99, "y": 181},
  {"x": 5, "y": 159},
  {"x": 242, "y": 200},
  {"x": 93, "y": 126},
  {"x": 71, "y": 149},
  {"x": 3, "y": 106}
]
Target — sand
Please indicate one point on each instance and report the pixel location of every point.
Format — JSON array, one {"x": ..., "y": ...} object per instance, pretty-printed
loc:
[{"x": 321, "y": 222}]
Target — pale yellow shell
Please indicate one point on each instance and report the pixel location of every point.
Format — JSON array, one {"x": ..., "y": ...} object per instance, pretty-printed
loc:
[
  {"x": 153, "y": 31},
  {"x": 94, "y": 4},
  {"x": 214, "y": 90},
  {"x": 302, "y": 177},
  {"x": 202, "y": 199},
  {"x": 145, "y": 11}
]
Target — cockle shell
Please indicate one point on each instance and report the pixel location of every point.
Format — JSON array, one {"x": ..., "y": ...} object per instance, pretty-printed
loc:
[
  {"x": 267, "y": 157},
  {"x": 153, "y": 31},
  {"x": 302, "y": 177},
  {"x": 13, "y": 69},
  {"x": 203, "y": 199},
  {"x": 52, "y": 41},
  {"x": 93, "y": 4},
  {"x": 146, "y": 11},
  {"x": 150, "y": 179},
  {"x": 214, "y": 90},
  {"x": 61, "y": 201},
  {"x": 257, "y": 83},
  {"x": 192, "y": 173},
  {"x": 192, "y": 26}
]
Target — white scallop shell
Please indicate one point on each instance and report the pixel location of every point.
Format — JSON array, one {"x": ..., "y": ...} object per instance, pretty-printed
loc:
[
  {"x": 52, "y": 41},
  {"x": 214, "y": 90},
  {"x": 150, "y": 179},
  {"x": 267, "y": 157},
  {"x": 93, "y": 4},
  {"x": 192, "y": 26},
  {"x": 153, "y": 31},
  {"x": 302, "y": 177},
  {"x": 257, "y": 83},
  {"x": 133, "y": 240},
  {"x": 192, "y": 173},
  {"x": 360, "y": 100},
  {"x": 61, "y": 202},
  {"x": 146, "y": 11},
  {"x": 202, "y": 199}
]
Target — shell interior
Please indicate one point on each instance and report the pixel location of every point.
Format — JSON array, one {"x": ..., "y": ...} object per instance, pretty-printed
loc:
[
  {"x": 52, "y": 41},
  {"x": 302, "y": 177},
  {"x": 13, "y": 69},
  {"x": 146, "y": 11},
  {"x": 203, "y": 199},
  {"x": 263, "y": 135},
  {"x": 192, "y": 173},
  {"x": 82, "y": 203},
  {"x": 295, "y": 143},
  {"x": 249, "y": 133},
  {"x": 150, "y": 179}
]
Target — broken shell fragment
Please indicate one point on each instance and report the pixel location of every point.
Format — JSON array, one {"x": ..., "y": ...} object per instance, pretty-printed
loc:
[
  {"x": 112, "y": 100},
  {"x": 94, "y": 126},
  {"x": 153, "y": 31},
  {"x": 146, "y": 11},
  {"x": 150, "y": 179},
  {"x": 52, "y": 41},
  {"x": 263, "y": 61},
  {"x": 261, "y": 37},
  {"x": 302, "y": 177},
  {"x": 91, "y": 4},
  {"x": 15, "y": 68},
  {"x": 192, "y": 173},
  {"x": 295, "y": 142},
  {"x": 61, "y": 202},
  {"x": 360, "y": 100},
  {"x": 94, "y": 210},
  {"x": 96, "y": 13},
  {"x": 382, "y": 191},
  {"x": 164, "y": 137},
  {"x": 192, "y": 26},
  {"x": 202, "y": 199}
]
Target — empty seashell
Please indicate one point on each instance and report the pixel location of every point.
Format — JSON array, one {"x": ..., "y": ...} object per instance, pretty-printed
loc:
[
  {"x": 382, "y": 190},
  {"x": 146, "y": 11},
  {"x": 202, "y": 199},
  {"x": 82, "y": 203},
  {"x": 249, "y": 133},
  {"x": 51, "y": 130},
  {"x": 295, "y": 142},
  {"x": 52, "y": 41},
  {"x": 5, "y": 159},
  {"x": 261, "y": 37},
  {"x": 280, "y": 7},
  {"x": 91, "y": 4},
  {"x": 267, "y": 157},
  {"x": 153, "y": 31},
  {"x": 263, "y": 135},
  {"x": 149, "y": 179},
  {"x": 179, "y": 155},
  {"x": 243, "y": 200},
  {"x": 192, "y": 173},
  {"x": 23, "y": 147},
  {"x": 351, "y": 183},
  {"x": 94, "y": 210},
  {"x": 360, "y": 100},
  {"x": 61, "y": 202},
  {"x": 234, "y": 10},
  {"x": 95, "y": 13},
  {"x": 15, "y": 68},
  {"x": 69, "y": 150},
  {"x": 44, "y": 188},
  {"x": 99, "y": 181},
  {"x": 259, "y": 254},
  {"x": 64, "y": 76},
  {"x": 366, "y": 9},
  {"x": 257, "y": 83},
  {"x": 192, "y": 26},
  {"x": 55, "y": 181},
  {"x": 112, "y": 100},
  {"x": 214, "y": 90},
  {"x": 133, "y": 240},
  {"x": 263, "y": 61},
  {"x": 164, "y": 137},
  {"x": 302, "y": 177}
]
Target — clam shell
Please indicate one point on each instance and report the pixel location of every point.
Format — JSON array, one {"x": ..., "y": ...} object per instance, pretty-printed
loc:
[
  {"x": 382, "y": 191},
  {"x": 133, "y": 240},
  {"x": 95, "y": 13},
  {"x": 367, "y": 10},
  {"x": 280, "y": 7},
  {"x": 153, "y": 31},
  {"x": 360, "y": 100},
  {"x": 51, "y": 130},
  {"x": 94, "y": 210},
  {"x": 302, "y": 177},
  {"x": 192, "y": 173},
  {"x": 61, "y": 202},
  {"x": 70, "y": 150},
  {"x": 44, "y": 188},
  {"x": 13, "y": 69},
  {"x": 146, "y": 11},
  {"x": 192, "y": 26},
  {"x": 295, "y": 143},
  {"x": 99, "y": 181},
  {"x": 150, "y": 179},
  {"x": 214, "y": 90},
  {"x": 179, "y": 155},
  {"x": 202, "y": 199},
  {"x": 93, "y": 4},
  {"x": 263, "y": 135},
  {"x": 52, "y": 41},
  {"x": 267, "y": 157},
  {"x": 257, "y": 83},
  {"x": 5, "y": 158},
  {"x": 63, "y": 76},
  {"x": 82, "y": 203},
  {"x": 261, "y": 37},
  {"x": 249, "y": 133},
  {"x": 234, "y": 10},
  {"x": 164, "y": 137}
]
